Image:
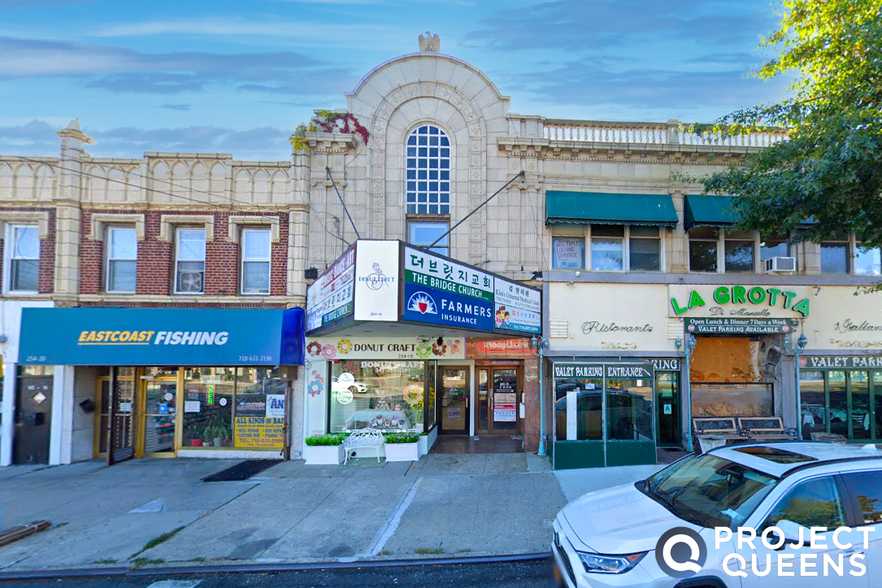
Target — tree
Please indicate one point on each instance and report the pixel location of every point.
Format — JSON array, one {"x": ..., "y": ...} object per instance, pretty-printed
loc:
[{"x": 829, "y": 170}]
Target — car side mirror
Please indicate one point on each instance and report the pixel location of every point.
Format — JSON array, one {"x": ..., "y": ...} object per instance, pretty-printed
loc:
[{"x": 793, "y": 532}]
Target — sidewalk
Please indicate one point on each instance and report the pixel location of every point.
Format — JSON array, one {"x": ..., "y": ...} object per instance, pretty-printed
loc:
[{"x": 158, "y": 512}]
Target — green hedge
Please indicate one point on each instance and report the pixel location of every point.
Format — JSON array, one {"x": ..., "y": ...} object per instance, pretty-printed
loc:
[
  {"x": 401, "y": 438},
  {"x": 324, "y": 440}
]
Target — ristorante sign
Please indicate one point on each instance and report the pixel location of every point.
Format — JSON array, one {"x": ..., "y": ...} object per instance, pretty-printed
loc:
[{"x": 738, "y": 301}]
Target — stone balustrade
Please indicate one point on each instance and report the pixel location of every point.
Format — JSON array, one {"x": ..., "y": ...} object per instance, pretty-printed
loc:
[{"x": 634, "y": 133}]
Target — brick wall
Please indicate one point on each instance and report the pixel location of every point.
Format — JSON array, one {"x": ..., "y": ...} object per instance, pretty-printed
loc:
[{"x": 156, "y": 258}]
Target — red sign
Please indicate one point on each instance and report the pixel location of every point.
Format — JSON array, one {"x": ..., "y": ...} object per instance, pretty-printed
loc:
[{"x": 474, "y": 349}]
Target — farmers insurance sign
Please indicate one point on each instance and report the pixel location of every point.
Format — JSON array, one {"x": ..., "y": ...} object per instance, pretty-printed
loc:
[
  {"x": 739, "y": 301},
  {"x": 441, "y": 292}
]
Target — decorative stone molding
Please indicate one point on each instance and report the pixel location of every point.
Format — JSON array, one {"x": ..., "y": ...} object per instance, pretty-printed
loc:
[
  {"x": 237, "y": 222},
  {"x": 34, "y": 217},
  {"x": 101, "y": 219},
  {"x": 167, "y": 222}
]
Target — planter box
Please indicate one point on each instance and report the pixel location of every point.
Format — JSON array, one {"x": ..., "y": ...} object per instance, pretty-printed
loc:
[
  {"x": 324, "y": 454},
  {"x": 402, "y": 451}
]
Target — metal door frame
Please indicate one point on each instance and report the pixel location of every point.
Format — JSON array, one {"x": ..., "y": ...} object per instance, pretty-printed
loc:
[
  {"x": 439, "y": 419},
  {"x": 519, "y": 394}
]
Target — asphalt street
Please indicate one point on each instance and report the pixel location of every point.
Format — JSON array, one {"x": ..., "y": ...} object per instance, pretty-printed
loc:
[{"x": 531, "y": 574}]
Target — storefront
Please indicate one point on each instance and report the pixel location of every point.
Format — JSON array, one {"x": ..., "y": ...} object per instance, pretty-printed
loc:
[
  {"x": 387, "y": 333},
  {"x": 169, "y": 382}
]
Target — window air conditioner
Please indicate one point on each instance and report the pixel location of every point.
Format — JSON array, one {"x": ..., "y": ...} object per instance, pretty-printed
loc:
[
  {"x": 190, "y": 282},
  {"x": 780, "y": 264}
]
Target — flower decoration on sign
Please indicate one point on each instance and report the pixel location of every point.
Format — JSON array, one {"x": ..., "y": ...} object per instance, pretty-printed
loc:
[
  {"x": 314, "y": 348},
  {"x": 413, "y": 394},
  {"x": 329, "y": 351},
  {"x": 317, "y": 384},
  {"x": 454, "y": 347},
  {"x": 423, "y": 350},
  {"x": 344, "y": 346},
  {"x": 439, "y": 350},
  {"x": 328, "y": 122}
]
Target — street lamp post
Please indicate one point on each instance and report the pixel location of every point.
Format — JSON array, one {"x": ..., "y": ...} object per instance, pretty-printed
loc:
[
  {"x": 540, "y": 344},
  {"x": 687, "y": 390},
  {"x": 801, "y": 342}
]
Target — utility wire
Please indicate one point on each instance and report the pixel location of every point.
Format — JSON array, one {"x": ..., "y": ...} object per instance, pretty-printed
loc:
[
  {"x": 217, "y": 206},
  {"x": 346, "y": 210}
]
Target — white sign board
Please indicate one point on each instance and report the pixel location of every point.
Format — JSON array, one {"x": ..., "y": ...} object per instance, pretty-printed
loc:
[
  {"x": 275, "y": 406},
  {"x": 330, "y": 297},
  {"x": 572, "y": 414},
  {"x": 376, "y": 281},
  {"x": 192, "y": 406},
  {"x": 388, "y": 348},
  {"x": 516, "y": 307}
]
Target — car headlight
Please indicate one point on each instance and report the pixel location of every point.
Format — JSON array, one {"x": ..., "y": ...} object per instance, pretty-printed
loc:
[{"x": 610, "y": 564}]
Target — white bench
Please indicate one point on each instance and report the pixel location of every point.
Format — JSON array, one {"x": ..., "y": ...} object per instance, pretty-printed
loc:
[{"x": 363, "y": 439}]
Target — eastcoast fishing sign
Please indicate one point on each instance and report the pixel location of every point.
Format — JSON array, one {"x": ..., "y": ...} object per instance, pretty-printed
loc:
[{"x": 736, "y": 301}]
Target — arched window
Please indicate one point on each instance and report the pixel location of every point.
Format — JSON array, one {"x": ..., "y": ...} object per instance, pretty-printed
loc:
[{"x": 428, "y": 171}]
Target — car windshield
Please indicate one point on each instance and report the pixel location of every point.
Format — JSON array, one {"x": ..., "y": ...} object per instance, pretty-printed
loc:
[{"x": 709, "y": 491}]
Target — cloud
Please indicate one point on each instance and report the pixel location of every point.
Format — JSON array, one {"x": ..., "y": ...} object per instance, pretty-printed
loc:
[
  {"x": 177, "y": 106},
  {"x": 585, "y": 25},
  {"x": 118, "y": 69},
  {"x": 583, "y": 83}
]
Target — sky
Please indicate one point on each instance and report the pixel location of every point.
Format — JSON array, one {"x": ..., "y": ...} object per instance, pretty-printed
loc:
[{"x": 239, "y": 76}]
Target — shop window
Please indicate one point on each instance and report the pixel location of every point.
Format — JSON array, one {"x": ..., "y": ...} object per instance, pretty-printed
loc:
[
  {"x": 385, "y": 395},
  {"x": 233, "y": 407},
  {"x": 190, "y": 261},
  {"x": 578, "y": 409},
  {"x": 607, "y": 249},
  {"x": 255, "y": 261},
  {"x": 739, "y": 247},
  {"x": 122, "y": 260},
  {"x": 813, "y": 416},
  {"x": 838, "y": 395},
  {"x": 427, "y": 169},
  {"x": 704, "y": 243},
  {"x": 424, "y": 233},
  {"x": 568, "y": 252},
  {"x": 23, "y": 258},
  {"x": 868, "y": 261},
  {"x": 834, "y": 256},
  {"x": 774, "y": 247},
  {"x": 629, "y": 415},
  {"x": 644, "y": 249}
]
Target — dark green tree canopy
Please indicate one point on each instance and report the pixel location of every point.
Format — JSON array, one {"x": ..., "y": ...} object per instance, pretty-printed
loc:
[{"x": 830, "y": 168}]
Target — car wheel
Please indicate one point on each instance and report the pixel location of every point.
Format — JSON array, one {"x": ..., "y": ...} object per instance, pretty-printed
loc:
[{"x": 353, "y": 389}]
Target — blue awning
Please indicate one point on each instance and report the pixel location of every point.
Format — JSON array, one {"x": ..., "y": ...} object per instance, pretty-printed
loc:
[{"x": 161, "y": 337}]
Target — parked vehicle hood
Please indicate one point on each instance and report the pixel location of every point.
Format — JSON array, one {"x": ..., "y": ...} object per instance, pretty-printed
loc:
[{"x": 619, "y": 520}]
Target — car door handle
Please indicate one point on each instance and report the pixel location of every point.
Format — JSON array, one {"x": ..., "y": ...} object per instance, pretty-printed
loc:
[{"x": 854, "y": 552}]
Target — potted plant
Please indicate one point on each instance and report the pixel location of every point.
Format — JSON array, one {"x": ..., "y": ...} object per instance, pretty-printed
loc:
[
  {"x": 402, "y": 447},
  {"x": 324, "y": 449}
]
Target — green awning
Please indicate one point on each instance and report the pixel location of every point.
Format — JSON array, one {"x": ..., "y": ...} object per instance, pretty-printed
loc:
[
  {"x": 708, "y": 211},
  {"x": 655, "y": 210}
]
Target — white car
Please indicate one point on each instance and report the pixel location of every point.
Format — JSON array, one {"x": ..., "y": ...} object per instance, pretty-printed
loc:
[
  {"x": 351, "y": 386},
  {"x": 662, "y": 532}
]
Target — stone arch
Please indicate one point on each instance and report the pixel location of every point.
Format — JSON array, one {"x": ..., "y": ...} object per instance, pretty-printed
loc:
[{"x": 450, "y": 109}]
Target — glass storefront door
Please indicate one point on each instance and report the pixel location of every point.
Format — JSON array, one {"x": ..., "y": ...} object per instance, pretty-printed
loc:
[
  {"x": 496, "y": 410},
  {"x": 158, "y": 421},
  {"x": 454, "y": 400},
  {"x": 667, "y": 385}
]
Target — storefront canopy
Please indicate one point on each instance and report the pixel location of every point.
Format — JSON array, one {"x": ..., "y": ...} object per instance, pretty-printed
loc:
[
  {"x": 708, "y": 211},
  {"x": 610, "y": 209},
  {"x": 161, "y": 337}
]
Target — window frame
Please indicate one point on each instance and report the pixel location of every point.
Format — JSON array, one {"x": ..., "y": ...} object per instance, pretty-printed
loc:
[
  {"x": 444, "y": 208},
  {"x": 179, "y": 259},
  {"x": 9, "y": 259},
  {"x": 109, "y": 259},
  {"x": 587, "y": 262},
  {"x": 430, "y": 220},
  {"x": 853, "y": 254},
  {"x": 772, "y": 501},
  {"x": 722, "y": 239},
  {"x": 243, "y": 260}
]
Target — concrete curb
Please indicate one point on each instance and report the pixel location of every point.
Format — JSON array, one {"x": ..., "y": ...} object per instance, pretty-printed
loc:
[{"x": 262, "y": 568}]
